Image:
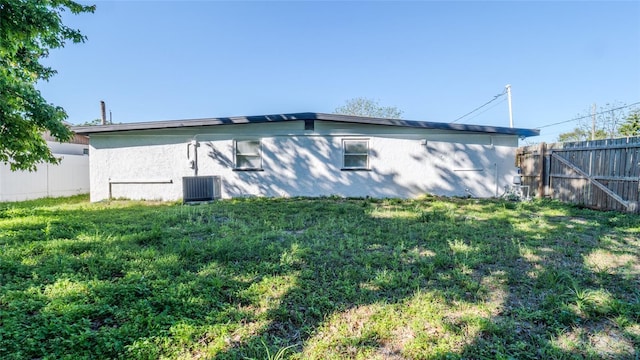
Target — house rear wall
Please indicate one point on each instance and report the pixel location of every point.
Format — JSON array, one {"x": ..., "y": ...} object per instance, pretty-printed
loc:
[{"x": 404, "y": 162}]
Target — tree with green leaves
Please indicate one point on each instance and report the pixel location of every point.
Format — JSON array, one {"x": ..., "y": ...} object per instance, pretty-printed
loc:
[
  {"x": 577, "y": 134},
  {"x": 367, "y": 107},
  {"x": 94, "y": 122},
  {"x": 631, "y": 125},
  {"x": 29, "y": 29}
]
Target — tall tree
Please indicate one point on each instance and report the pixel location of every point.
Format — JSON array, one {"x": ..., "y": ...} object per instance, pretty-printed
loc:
[
  {"x": 631, "y": 125},
  {"x": 367, "y": 107},
  {"x": 608, "y": 120},
  {"x": 29, "y": 29}
]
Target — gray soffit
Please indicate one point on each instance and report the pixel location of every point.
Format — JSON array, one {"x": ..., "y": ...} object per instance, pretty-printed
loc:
[{"x": 175, "y": 124}]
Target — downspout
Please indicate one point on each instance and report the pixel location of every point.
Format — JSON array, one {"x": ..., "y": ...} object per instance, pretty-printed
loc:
[
  {"x": 492, "y": 146},
  {"x": 496, "y": 176}
]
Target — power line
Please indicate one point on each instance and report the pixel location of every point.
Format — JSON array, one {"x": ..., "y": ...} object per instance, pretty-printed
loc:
[
  {"x": 481, "y": 106},
  {"x": 468, "y": 121},
  {"x": 588, "y": 116}
]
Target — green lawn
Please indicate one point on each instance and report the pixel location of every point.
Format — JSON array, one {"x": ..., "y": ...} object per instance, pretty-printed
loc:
[{"x": 318, "y": 279}]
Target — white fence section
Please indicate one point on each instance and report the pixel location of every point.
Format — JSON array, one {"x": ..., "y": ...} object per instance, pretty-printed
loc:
[{"x": 70, "y": 177}]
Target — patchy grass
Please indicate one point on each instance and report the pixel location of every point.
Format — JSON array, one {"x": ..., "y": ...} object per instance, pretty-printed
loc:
[{"x": 317, "y": 279}]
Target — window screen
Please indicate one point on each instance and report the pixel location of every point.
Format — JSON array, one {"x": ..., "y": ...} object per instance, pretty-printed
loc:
[
  {"x": 356, "y": 154},
  {"x": 248, "y": 154}
]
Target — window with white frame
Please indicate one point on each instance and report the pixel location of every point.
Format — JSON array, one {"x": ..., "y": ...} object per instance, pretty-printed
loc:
[
  {"x": 248, "y": 155},
  {"x": 356, "y": 154}
]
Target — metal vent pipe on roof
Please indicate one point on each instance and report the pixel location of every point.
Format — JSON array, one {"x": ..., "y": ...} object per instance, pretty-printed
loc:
[{"x": 103, "y": 113}]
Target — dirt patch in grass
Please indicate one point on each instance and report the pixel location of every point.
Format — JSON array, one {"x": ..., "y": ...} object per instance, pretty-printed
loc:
[
  {"x": 611, "y": 263},
  {"x": 602, "y": 340}
]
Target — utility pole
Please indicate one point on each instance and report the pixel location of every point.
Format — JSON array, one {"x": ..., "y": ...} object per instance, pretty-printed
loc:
[
  {"x": 508, "y": 87},
  {"x": 593, "y": 121}
]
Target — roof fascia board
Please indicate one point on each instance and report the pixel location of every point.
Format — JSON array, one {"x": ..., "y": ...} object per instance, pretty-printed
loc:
[{"x": 173, "y": 124}]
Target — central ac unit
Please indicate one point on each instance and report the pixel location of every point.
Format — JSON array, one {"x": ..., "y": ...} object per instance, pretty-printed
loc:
[{"x": 201, "y": 188}]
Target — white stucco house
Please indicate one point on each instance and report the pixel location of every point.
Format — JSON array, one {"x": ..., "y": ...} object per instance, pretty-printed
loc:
[
  {"x": 301, "y": 154},
  {"x": 69, "y": 177}
]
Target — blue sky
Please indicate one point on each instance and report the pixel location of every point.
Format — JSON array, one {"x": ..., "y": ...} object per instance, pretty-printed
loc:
[{"x": 160, "y": 60}]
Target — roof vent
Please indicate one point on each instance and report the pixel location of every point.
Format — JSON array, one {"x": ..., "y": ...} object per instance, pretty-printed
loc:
[{"x": 201, "y": 188}]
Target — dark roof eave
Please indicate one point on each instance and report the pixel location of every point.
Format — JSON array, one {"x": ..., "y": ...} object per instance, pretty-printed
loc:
[
  {"x": 430, "y": 125},
  {"x": 173, "y": 124}
]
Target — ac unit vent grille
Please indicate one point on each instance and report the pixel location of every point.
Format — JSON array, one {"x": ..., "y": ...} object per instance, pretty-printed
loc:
[{"x": 201, "y": 188}]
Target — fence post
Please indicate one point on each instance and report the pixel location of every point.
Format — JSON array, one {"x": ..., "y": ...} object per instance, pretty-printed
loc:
[{"x": 542, "y": 152}]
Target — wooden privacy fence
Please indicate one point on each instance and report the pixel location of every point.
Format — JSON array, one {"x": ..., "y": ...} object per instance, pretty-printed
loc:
[{"x": 601, "y": 174}]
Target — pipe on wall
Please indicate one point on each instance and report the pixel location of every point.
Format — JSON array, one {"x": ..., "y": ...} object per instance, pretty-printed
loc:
[{"x": 192, "y": 159}]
